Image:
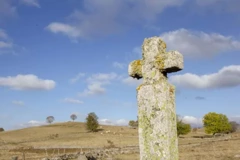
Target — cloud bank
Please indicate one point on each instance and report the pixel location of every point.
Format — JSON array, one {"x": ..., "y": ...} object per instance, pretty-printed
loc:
[
  {"x": 228, "y": 76},
  {"x": 26, "y": 82}
]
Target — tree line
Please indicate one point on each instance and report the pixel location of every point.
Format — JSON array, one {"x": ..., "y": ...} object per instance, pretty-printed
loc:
[
  {"x": 212, "y": 122},
  {"x": 91, "y": 121}
]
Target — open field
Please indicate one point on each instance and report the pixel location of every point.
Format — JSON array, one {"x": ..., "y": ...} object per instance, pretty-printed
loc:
[{"x": 72, "y": 137}]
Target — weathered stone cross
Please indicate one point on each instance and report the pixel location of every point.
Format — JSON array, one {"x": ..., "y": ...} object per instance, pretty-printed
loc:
[{"x": 156, "y": 100}]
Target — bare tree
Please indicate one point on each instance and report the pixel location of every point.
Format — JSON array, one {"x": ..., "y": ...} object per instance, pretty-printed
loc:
[
  {"x": 50, "y": 119},
  {"x": 73, "y": 117},
  {"x": 234, "y": 126}
]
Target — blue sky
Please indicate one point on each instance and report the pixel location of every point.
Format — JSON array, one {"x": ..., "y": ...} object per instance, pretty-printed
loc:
[{"x": 64, "y": 57}]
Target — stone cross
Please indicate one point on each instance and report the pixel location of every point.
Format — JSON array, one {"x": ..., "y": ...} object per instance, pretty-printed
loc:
[{"x": 156, "y": 100}]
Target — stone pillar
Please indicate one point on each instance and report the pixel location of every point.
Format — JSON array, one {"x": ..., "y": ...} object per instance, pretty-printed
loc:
[{"x": 156, "y": 100}]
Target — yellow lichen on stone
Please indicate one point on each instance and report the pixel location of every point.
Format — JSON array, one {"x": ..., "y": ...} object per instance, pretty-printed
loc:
[
  {"x": 163, "y": 44},
  {"x": 171, "y": 90},
  {"x": 135, "y": 69},
  {"x": 159, "y": 62},
  {"x": 139, "y": 87}
]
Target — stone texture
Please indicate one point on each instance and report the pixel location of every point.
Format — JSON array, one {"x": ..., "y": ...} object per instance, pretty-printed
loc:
[
  {"x": 82, "y": 157},
  {"x": 156, "y": 100},
  {"x": 97, "y": 154}
]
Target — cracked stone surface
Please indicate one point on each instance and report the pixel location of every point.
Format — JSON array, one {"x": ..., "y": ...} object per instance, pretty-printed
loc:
[{"x": 156, "y": 100}]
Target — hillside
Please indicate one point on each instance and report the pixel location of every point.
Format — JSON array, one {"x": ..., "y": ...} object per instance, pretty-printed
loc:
[
  {"x": 63, "y": 135},
  {"x": 72, "y": 136},
  {"x": 68, "y": 134}
]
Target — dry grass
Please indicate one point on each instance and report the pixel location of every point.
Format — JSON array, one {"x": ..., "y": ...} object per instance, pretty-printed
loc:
[{"x": 74, "y": 134}]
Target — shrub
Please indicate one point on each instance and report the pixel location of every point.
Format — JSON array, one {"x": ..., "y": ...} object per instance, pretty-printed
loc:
[
  {"x": 182, "y": 128},
  {"x": 1, "y": 129},
  {"x": 216, "y": 123},
  {"x": 92, "y": 122},
  {"x": 133, "y": 124}
]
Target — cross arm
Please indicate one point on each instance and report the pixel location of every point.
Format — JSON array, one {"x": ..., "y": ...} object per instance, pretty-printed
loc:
[
  {"x": 135, "y": 69},
  {"x": 174, "y": 62},
  {"x": 169, "y": 62}
]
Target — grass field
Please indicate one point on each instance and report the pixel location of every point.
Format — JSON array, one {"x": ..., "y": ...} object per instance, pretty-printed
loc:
[{"x": 71, "y": 136}]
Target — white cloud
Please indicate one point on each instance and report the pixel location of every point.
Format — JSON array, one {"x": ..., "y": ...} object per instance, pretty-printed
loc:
[
  {"x": 4, "y": 40},
  {"x": 93, "y": 89},
  {"x": 5, "y": 45},
  {"x": 120, "y": 122},
  {"x": 99, "y": 18},
  {"x": 3, "y": 34},
  {"x": 33, "y": 3},
  {"x": 31, "y": 123},
  {"x": 77, "y": 77},
  {"x": 103, "y": 78},
  {"x": 193, "y": 121},
  {"x": 199, "y": 44},
  {"x": 7, "y": 9},
  {"x": 65, "y": 29},
  {"x": 119, "y": 65},
  {"x": 226, "y": 77},
  {"x": 71, "y": 100},
  {"x": 96, "y": 83},
  {"x": 105, "y": 122},
  {"x": 219, "y": 5},
  {"x": 132, "y": 81},
  {"x": 26, "y": 82},
  {"x": 19, "y": 103},
  {"x": 197, "y": 122}
]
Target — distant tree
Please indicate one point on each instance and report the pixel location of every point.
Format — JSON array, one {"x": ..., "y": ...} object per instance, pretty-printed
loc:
[
  {"x": 92, "y": 122},
  {"x": 182, "y": 128},
  {"x": 234, "y": 126},
  {"x": 50, "y": 119},
  {"x": 1, "y": 129},
  {"x": 216, "y": 123},
  {"x": 133, "y": 123},
  {"x": 93, "y": 115},
  {"x": 73, "y": 117}
]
